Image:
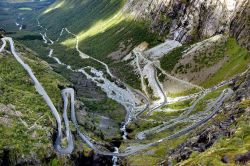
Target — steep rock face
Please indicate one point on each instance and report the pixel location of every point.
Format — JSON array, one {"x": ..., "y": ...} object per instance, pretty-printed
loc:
[
  {"x": 186, "y": 20},
  {"x": 240, "y": 27}
]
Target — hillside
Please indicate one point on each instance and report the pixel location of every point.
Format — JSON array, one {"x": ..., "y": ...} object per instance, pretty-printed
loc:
[
  {"x": 25, "y": 118},
  {"x": 108, "y": 31},
  {"x": 136, "y": 82},
  {"x": 101, "y": 26}
]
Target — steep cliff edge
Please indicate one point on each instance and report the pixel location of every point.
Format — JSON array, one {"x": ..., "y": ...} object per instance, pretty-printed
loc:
[
  {"x": 240, "y": 27},
  {"x": 188, "y": 20}
]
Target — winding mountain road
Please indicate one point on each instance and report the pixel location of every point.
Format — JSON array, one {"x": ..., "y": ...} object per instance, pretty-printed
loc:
[
  {"x": 69, "y": 92},
  {"x": 88, "y": 140},
  {"x": 43, "y": 93},
  {"x": 125, "y": 96}
]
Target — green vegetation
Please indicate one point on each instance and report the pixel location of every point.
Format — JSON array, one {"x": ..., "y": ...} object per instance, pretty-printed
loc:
[
  {"x": 184, "y": 93},
  {"x": 156, "y": 154},
  {"x": 238, "y": 60},
  {"x": 91, "y": 13},
  {"x": 68, "y": 55},
  {"x": 209, "y": 56},
  {"x": 102, "y": 44},
  {"x": 7, "y": 20},
  {"x": 27, "y": 126},
  {"x": 178, "y": 108},
  {"x": 139, "y": 126},
  {"x": 159, "y": 152},
  {"x": 179, "y": 105},
  {"x": 230, "y": 147},
  {"x": 245, "y": 104},
  {"x": 34, "y": 41},
  {"x": 126, "y": 73},
  {"x": 169, "y": 60},
  {"x": 160, "y": 75},
  {"x": 13, "y": 11},
  {"x": 16, "y": 88},
  {"x": 54, "y": 162},
  {"x": 150, "y": 91},
  {"x": 233, "y": 58},
  {"x": 165, "y": 116},
  {"x": 106, "y": 107},
  {"x": 210, "y": 97},
  {"x": 101, "y": 28}
]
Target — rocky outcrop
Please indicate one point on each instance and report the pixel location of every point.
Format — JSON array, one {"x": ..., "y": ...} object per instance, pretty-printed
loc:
[
  {"x": 84, "y": 87},
  {"x": 243, "y": 158},
  {"x": 88, "y": 158},
  {"x": 91, "y": 159},
  {"x": 240, "y": 26},
  {"x": 201, "y": 19},
  {"x": 187, "y": 20}
]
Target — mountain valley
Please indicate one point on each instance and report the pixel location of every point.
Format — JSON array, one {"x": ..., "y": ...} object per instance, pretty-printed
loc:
[{"x": 124, "y": 82}]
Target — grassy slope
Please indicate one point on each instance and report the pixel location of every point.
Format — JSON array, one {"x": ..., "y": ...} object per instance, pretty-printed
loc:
[
  {"x": 238, "y": 60},
  {"x": 6, "y": 17},
  {"x": 100, "y": 27},
  {"x": 169, "y": 61},
  {"x": 10, "y": 11},
  {"x": 34, "y": 41},
  {"x": 17, "y": 89}
]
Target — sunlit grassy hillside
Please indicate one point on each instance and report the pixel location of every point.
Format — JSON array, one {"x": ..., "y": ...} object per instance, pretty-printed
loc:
[{"x": 100, "y": 25}]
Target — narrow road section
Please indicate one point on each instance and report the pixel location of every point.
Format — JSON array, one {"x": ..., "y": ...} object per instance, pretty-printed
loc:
[{"x": 43, "y": 93}]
